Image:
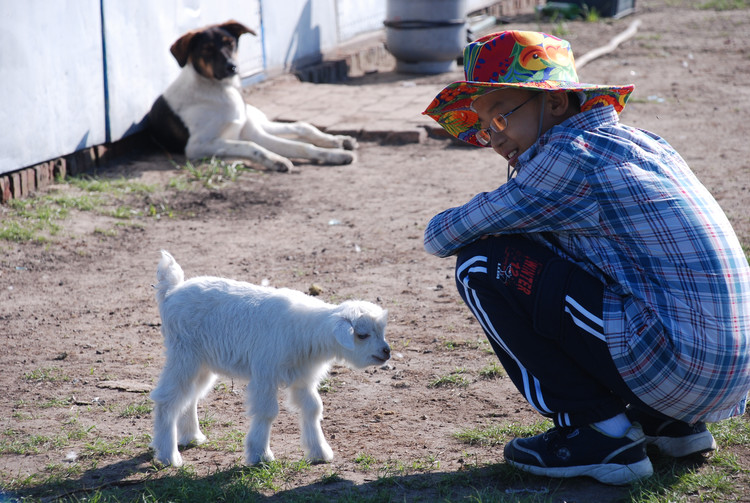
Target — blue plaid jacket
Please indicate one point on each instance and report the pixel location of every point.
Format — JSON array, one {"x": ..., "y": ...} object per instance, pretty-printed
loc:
[{"x": 623, "y": 205}]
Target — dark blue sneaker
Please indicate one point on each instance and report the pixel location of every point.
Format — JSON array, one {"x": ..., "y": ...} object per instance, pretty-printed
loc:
[
  {"x": 674, "y": 438},
  {"x": 583, "y": 451}
]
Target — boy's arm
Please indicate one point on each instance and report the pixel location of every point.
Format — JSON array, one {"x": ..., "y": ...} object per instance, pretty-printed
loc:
[{"x": 510, "y": 209}]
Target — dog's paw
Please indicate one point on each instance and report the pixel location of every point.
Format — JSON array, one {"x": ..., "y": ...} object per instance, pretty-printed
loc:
[
  {"x": 339, "y": 156},
  {"x": 347, "y": 142},
  {"x": 280, "y": 164}
]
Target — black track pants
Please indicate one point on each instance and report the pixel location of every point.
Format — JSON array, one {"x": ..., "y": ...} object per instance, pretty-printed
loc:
[{"x": 543, "y": 317}]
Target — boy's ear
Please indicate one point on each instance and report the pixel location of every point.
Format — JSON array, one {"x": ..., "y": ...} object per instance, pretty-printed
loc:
[{"x": 558, "y": 103}]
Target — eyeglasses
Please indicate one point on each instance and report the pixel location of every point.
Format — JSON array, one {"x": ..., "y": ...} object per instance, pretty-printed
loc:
[{"x": 498, "y": 124}]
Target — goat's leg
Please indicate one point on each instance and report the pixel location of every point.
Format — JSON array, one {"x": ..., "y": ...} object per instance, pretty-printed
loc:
[
  {"x": 307, "y": 401},
  {"x": 188, "y": 429},
  {"x": 262, "y": 408},
  {"x": 171, "y": 396}
]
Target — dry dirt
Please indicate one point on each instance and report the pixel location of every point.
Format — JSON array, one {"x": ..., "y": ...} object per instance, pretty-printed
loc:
[{"x": 80, "y": 306}]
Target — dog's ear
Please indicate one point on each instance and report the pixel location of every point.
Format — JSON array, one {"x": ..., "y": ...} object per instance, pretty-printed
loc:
[
  {"x": 180, "y": 49},
  {"x": 344, "y": 333},
  {"x": 236, "y": 29}
]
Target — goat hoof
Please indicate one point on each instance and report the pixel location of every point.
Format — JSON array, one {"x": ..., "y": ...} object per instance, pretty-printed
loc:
[{"x": 197, "y": 439}]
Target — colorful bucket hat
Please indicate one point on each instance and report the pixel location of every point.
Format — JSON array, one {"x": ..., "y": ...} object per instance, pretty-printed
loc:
[{"x": 519, "y": 59}]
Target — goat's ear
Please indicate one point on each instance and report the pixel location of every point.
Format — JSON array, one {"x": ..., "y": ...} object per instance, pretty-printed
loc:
[
  {"x": 180, "y": 49},
  {"x": 236, "y": 29},
  {"x": 344, "y": 333}
]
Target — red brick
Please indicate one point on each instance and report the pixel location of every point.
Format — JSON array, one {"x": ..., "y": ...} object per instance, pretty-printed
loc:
[
  {"x": 59, "y": 168},
  {"x": 28, "y": 181},
  {"x": 5, "y": 192},
  {"x": 15, "y": 184},
  {"x": 43, "y": 173}
]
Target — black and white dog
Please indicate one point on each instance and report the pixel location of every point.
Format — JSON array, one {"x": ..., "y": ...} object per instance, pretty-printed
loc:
[{"x": 202, "y": 113}]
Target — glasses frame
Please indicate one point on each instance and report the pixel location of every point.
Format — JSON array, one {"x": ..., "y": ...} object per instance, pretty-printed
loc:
[{"x": 498, "y": 124}]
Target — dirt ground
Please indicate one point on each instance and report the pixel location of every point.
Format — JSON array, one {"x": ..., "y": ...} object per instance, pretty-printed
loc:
[{"x": 80, "y": 328}]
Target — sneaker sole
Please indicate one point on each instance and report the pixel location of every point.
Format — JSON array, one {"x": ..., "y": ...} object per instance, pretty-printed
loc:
[
  {"x": 684, "y": 446},
  {"x": 611, "y": 474}
]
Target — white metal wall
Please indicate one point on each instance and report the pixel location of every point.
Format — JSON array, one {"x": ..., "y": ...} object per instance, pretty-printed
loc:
[{"x": 51, "y": 80}]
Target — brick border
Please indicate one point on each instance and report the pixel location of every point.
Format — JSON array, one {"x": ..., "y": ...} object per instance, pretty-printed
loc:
[{"x": 25, "y": 181}]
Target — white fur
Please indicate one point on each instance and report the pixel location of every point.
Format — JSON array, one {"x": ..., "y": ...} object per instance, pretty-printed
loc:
[
  {"x": 275, "y": 338},
  {"x": 222, "y": 124}
]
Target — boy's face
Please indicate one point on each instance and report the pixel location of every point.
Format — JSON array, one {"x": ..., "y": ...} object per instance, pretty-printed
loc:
[{"x": 523, "y": 123}]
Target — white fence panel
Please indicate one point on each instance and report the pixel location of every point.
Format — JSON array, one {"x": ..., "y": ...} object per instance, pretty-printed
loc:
[
  {"x": 51, "y": 80},
  {"x": 296, "y": 32}
]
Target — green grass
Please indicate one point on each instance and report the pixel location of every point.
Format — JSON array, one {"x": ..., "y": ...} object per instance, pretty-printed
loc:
[
  {"x": 212, "y": 173},
  {"x": 493, "y": 435},
  {"x": 719, "y": 478},
  {"x": 137, "y": 409},
  {"x": 492, "y": 371},
  {"x": 365, "y": 461},
  {"x": 46, "y": 374},
  {"x": 454, "y": 379},
  {"x": 40, "y": 216},
  {"x": 721, "y": 5}
]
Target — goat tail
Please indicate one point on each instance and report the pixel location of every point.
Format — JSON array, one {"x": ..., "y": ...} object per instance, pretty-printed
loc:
[{"x": 168, "y": 275}]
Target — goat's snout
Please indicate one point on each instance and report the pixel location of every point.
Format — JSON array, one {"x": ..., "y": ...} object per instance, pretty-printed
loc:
[{"x": 386, "y": 352}]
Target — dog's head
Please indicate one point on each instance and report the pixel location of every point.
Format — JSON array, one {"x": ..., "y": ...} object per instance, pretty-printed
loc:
[
  {"x": 360, "y": 333},
  {"x": 211, "y": 50}
]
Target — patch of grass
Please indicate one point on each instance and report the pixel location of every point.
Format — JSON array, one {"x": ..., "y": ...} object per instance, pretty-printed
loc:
[
  {"x": 590, "y": 14},
  {"x": 721, "y": 5},
  {"x": 454, "y": 379},
  {"x": 117, "y": 186},
  {"x": 365, "y": 461},
  {"x": 214, "y": 172},
  {"x": 327, "y": 385},
  {"x": 231, "y": 441},
  {"x": 731, "y": 432},
  {"x": 137, "y": 409},
  {"x": 38, "y": 216},
  {"x": 128, "y": 446},
  {"x": 55, "y": 402},
  {"x": 331, "y": 477},
  {"x": 46, "y": 374},
  {"x": 15, "y": 442},
  {"x": 492, "y": 371},
  {"x": 499, "y": 434}
]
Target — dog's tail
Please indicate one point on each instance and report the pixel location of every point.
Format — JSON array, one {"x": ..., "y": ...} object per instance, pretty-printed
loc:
[{"x": 168, "y": 275}]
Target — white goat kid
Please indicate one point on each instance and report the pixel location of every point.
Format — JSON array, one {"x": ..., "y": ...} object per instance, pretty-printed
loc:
[{"x": 275, "y": 338}]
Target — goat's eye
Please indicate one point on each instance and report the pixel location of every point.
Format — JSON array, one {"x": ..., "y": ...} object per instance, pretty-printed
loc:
[{"x": 362, "y": 337}]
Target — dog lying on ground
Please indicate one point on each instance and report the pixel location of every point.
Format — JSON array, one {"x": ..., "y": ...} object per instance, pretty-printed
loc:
[
  {"x": 202, "y": 113},
  {"x": 275, "y": 338}
]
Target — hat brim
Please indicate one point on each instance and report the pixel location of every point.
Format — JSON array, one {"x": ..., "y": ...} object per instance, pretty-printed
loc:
[{"x": 452, "y": 109}]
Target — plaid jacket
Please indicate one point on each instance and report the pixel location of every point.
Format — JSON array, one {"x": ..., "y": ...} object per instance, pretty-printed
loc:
[{"x": 623, "y": 205}]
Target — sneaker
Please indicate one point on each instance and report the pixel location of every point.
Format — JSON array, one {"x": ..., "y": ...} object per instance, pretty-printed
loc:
[
  {"x": 674, "y": 438},
  {"x": 583, "y": 451}
]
